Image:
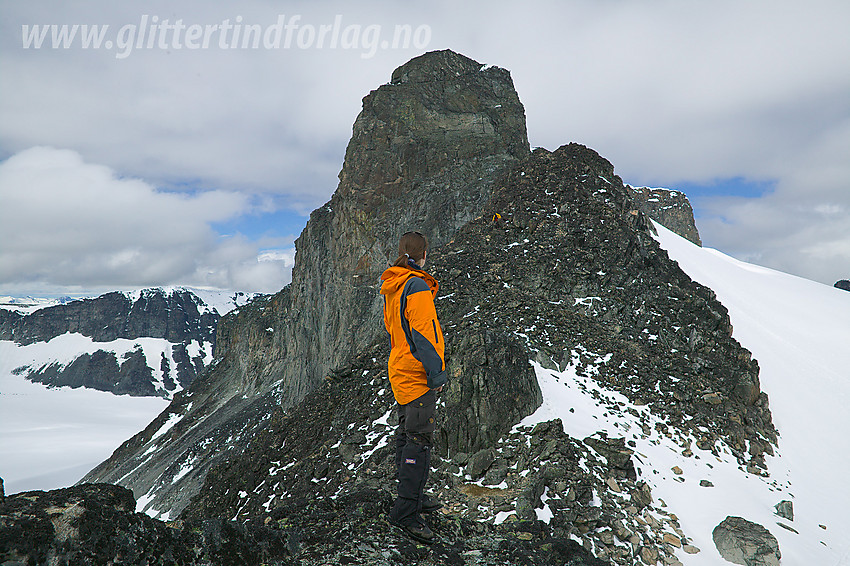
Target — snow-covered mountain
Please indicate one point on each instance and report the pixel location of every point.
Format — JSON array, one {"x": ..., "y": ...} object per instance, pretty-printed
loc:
[
  {"x": 31, "y": 304},
  {"x": 61, "y": 360},
  {"x": 146, "y": 342}
]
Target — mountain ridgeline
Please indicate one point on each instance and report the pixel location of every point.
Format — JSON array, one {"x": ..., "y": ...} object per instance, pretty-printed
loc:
[{"x": 546, "y": 260}]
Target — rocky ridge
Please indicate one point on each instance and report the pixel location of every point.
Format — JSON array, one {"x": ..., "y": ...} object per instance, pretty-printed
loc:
[{"x": 505, "y": 299}]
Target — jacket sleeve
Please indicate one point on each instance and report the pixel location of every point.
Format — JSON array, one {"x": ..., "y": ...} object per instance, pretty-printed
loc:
[{"x": 423, "y": 332}]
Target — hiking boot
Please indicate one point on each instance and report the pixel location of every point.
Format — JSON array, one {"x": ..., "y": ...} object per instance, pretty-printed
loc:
[
  {"x": 416, "y": 529},
  {"x": 430, "y": 504}
]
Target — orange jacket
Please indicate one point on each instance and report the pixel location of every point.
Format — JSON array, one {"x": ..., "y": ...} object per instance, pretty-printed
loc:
[{"x": 417, "y": 361}]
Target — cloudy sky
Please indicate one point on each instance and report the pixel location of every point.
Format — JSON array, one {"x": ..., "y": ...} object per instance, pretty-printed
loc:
[{"x": 187, "y": 142}]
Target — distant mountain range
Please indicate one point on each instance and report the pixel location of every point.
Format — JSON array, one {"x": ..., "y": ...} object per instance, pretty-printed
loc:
[{"x": 151, "y": 342}]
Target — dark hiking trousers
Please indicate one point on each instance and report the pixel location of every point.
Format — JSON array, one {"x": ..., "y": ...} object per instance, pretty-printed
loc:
[{"x": 416, "y": 424}]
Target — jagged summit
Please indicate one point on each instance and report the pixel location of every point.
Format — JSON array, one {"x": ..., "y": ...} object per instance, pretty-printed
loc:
[{"x": 435, "y": 66}]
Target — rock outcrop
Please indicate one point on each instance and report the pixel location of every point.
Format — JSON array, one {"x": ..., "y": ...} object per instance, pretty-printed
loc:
[
  {"x": 90, "y": 525},
  {"x": 843, "y": 284},
  {"x": 743, "y": 542},
  {"x": 670, "y": 208}
]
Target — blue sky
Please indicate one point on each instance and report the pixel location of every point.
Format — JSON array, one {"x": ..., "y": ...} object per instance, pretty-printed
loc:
[
  {"x": 162, "y": 164},
  {"x": 282, "y": 223},
  {"x": 736, "y": 186}
]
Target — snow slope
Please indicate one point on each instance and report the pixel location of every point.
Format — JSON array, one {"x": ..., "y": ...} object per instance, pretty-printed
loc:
[
  {"x": 799, "y": 332},
  {"x": 52, "y": 437}
]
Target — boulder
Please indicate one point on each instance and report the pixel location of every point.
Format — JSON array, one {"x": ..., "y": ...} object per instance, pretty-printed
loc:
[
  {"x": 743, "y": 542},
  {"x": 785, "y": 509}
]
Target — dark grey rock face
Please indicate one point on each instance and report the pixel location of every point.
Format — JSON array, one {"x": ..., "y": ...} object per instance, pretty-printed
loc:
[
  {"x": 843, "y": 284},
  {"x": 669, "y": 208},
  {"x": 494, "y": 388},
  {"x": 424, "y": 154},
  {"x": 742, "y": 542}
]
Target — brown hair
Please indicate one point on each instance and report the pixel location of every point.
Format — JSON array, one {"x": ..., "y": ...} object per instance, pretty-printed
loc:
[{"x": 412, "y": 245}]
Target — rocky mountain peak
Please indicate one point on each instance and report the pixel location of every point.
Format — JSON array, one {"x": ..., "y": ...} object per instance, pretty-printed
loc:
[
  {"x": 425, "y": 147},
  {"x": 669, "y": 208},
  {"x": 423, "y": 154},
  {"x": 435, "y": 66}
]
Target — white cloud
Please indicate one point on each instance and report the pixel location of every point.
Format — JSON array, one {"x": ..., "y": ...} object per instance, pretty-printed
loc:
[
  {"x": 801, "y": 227},
  {"x": 67, "y": 223},
  {"x": 670, "y": 92}
]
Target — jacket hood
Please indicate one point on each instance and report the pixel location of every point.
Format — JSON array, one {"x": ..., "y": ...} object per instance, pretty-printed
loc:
[{"x": 394, "y": 278}]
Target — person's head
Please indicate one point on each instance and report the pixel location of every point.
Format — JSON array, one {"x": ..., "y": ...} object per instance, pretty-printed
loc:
[{"x": 412, "y": 245}]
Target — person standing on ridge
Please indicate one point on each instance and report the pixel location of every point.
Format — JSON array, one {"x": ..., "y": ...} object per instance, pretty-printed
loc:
[{"x": 417, "y": 372}]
